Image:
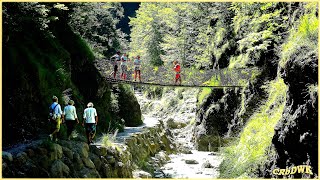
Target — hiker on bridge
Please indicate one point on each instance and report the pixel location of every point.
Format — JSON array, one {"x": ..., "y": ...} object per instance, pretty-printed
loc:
[
  {"x": 90, "y": 117},
  {"x": 177, "y": 69},
  {"x": 55, "y": 117},
  {"x": 124, "y": 67},
  {"x": 137, "y": 68},
  {"x": 115, "y": 60}
]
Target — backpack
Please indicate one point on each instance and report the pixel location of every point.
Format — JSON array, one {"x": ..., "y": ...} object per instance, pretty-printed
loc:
[{"x": 52, "y": 115}]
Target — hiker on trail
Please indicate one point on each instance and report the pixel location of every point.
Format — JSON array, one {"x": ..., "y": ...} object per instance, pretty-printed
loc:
[
  {"x": 177, "y": 69},
  {"x": 124, "y": 60},
  {"x": 70, "y": 116},
  {"x": 91, "y": 119},
  {"x": 115, "y": 59},
  {"x": 137, "y": 68},
  {"x": 55, "y": 117}
]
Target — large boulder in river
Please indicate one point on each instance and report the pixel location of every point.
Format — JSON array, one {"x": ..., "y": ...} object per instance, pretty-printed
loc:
[{"x": 129, "y": 107}]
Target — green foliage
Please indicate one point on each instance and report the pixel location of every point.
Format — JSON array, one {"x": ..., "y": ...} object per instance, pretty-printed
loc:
[
  {"x": 96, "y": 22},
  {"x": 107, "y": 140},
  {"x": 241, "y": 160},
  {"x": 205, "y": 92},
  {"x": 303, "y": 37}
]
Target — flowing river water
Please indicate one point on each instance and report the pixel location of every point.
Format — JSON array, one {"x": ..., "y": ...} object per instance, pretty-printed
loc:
[{"x": 192, "y": 163}]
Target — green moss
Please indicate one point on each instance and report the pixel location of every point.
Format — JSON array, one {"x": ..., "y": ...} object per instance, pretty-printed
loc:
[
  {"x": 205, "y": 92},
  {"x": 252, "y": 149}
]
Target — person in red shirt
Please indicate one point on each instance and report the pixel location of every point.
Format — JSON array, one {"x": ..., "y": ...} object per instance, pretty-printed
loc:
[{"x": 177, "y": 69}]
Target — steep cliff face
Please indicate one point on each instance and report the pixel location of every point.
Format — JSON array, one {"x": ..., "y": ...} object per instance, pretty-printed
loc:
[
  {"x": 41, "y": 63},
  {"x": 296, "y": 134}
]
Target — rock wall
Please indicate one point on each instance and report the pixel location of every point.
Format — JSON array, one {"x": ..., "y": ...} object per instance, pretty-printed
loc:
[
  {"x": 73, "y": 159},
  {"x": 214, "y": 115},
  {"x": 295, "y": 141}
]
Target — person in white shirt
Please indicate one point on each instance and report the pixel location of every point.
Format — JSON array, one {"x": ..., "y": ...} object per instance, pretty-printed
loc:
[
  {"x": 55, "y": 117},
  {"x": 124, "y": 60},
  {"x": 70, "y": 116},
  {"x": 90, "y": 117},
  {"x": 137, "y": 68}
]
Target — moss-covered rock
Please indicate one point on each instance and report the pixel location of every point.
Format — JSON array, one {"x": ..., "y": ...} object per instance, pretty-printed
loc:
[{"x": 129, "y": 107}]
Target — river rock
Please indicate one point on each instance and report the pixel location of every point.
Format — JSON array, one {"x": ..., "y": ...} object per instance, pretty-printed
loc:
[
  {"x": 7, "y": 156},
  {"x": 141, "y": 174},
  {"x": 59, "y": 169},
  {"x": 207, "y": 164},
  {"x": 191, "y": 161}
]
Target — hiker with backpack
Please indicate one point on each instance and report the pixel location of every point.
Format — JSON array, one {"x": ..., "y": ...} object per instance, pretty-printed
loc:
[
  {"x": 71, "y": 118},
  {"x": 115, "y": 60},
  {"x": 55, "y": 117},
  {"x": 90, "y": 122}
]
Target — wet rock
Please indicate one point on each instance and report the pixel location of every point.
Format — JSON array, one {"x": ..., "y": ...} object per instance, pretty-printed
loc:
[
  {"x": 174, "y": 124},
  {"x": 141, "y": 174},
  {"x": 207, "y": 164},
  {"x": 7, "y": 156},
  {"x": 191, "y": 161},
  {"x": 186, "y": 151},
  {"x": 59, "y": 169}
]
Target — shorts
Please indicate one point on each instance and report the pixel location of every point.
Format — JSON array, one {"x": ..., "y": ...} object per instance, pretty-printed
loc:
[
  {"x": 178, "y": 76},
  {"x": 56, "y": 123},
  {"x": 124, "y": 68},
  {"x": 115, "y": 68},
  {"x": 90, "y": 128},
  {"x": 137, "y": 68}
]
